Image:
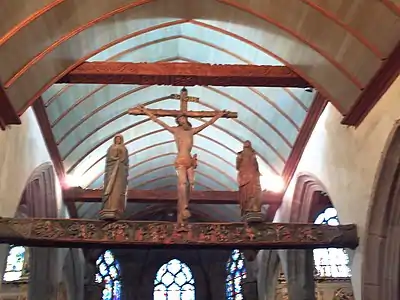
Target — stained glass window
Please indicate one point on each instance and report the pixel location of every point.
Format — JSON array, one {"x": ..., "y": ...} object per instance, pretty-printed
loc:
[
  {"x": 15, "y": 263},
  {"x": 109, "y": 274},
  {"x": 332, "y": 262},
  {"x": 236, "y": 273},
  {"x": 174, "y": 281}
]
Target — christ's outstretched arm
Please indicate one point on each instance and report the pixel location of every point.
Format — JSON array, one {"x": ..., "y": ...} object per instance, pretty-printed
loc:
[
  {"x": 155, "y": 119},
  {"x": 212, "y": 121}
]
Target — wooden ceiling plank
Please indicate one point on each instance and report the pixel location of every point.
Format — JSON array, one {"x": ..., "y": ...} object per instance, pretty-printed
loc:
[
  {"x": 375, "y": 89},
  {"x": 184, "y": 74},
  {"x": 78, "y": 194},
  {"x": 8, "y": 115},
  {"x": 73, "y": 233}
]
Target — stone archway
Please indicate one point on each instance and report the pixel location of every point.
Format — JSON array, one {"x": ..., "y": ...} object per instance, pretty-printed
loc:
[
  {"x": 271, "y": 262},
  {"x": 39, "y": 201},
  {"x": 39, "y": 197},
  {"x": 298, "y": 265},
  {"x": 381, "y": 266},
  {"x": 305, "y": 201}
]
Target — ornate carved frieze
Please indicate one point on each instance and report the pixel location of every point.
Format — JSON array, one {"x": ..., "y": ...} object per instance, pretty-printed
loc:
[{"x": 95, "y": 233}]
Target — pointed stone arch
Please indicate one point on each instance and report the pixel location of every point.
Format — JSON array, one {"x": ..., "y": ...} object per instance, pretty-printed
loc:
[
  {"x": 305, "y": 202},
  {"x": 39, "y": 198},
  {"x": 381, "y": 264}
]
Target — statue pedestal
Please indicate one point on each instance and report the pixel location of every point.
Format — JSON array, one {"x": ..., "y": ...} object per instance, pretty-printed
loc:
[
  {"x": 109, "y": 214},
  {"x": 253, "y": 217}
]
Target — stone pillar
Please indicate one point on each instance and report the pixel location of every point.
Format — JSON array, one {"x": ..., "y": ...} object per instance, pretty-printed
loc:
[
  {"x": 4, "y": 249},
  {"x": 92, "y": 290},
  {"x": 43, "y": 281},
  {"x": 249, "y": 284},
  {"x": 216, "y": 272},
  {"x": 267, "y": 277},
  {"x": 72, "y": 272},
  {"x": 298, "y": 266}
]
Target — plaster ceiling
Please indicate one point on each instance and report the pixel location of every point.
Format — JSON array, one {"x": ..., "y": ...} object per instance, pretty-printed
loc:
[{"x": 337, "y": 46}]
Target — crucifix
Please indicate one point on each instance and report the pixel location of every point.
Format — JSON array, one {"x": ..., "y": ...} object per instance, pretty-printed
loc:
[{"x": 185, "y": 163}]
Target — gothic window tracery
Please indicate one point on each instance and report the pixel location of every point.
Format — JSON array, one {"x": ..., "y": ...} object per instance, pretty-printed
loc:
[
  {"x": 16, "y": 263},
  {"x": 174, "y": 281},
  {"x": 109, "y": 274},
  {"x": 332, "y": 262},
  {"x": 236, "y": 272}
]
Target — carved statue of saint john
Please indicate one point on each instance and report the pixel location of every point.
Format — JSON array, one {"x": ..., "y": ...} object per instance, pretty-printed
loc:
[
  {"x": 248, "y": 180},
  {"x": 115, "y": 180}
]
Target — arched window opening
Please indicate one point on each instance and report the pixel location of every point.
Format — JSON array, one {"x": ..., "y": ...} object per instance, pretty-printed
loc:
[
  {"x": 15, "y": 266},
  {"x": 236, "y": 272},
  {"x": 174, "y": 281},
  {"x": 109, "y": 274},
  {"x": 332, "y": 262}
]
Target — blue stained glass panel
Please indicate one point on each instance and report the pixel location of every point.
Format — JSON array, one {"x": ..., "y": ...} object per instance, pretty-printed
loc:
[
  {"x": 109, "y": 274},
  {"x": 236, "y": 272}
]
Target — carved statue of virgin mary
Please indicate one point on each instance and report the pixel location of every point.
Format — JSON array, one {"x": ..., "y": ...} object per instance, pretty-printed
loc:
[{"x": 115, "y": 180}]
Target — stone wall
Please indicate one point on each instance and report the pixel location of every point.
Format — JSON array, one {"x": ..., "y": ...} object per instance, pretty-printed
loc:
[
  {"x": 346, "y": 160},
  {"x": 22, "y": 151},
  {"x": 24, "y": 159}
]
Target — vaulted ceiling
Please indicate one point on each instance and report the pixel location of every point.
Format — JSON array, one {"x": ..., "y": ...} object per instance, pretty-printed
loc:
[{"x": 338, "y": 46}]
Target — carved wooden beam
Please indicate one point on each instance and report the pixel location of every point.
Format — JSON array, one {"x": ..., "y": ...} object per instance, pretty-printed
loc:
[
  {"x": 81, "y": 233},
  {"x": 166, "y": 196},
  {"x": 184, "y": 74}
]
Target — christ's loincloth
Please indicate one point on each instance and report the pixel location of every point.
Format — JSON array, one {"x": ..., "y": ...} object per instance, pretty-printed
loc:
[{"x": 186, "y": 162}]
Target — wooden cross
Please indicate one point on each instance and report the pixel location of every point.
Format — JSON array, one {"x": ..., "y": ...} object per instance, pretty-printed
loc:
[{"x": 184, "y": 100}]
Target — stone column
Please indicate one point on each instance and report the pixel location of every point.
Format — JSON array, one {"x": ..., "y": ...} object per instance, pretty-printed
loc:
[
  {"x": 298, "y": 266},
  {"x": 43, "y": 281},
  {"x": 4, "y": 249},
  {"x": 267, "y": 277},
  {"x": 92, "y": 290},
  {"x": 249, "y": 284}
]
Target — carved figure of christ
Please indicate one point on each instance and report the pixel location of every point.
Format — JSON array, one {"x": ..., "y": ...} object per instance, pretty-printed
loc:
[{"x": 183, "y": 134}]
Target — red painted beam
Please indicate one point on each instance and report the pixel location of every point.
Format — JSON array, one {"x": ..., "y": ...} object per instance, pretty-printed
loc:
[
  {"x": 47, "y": 133},
  {"x": 314, "y": 112},
  {"x": 375, "y": 89},
  {"x": 184, "y": 74},
  {"x": 8, "y": 115},
  {"x": 73, "y": 195}
]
